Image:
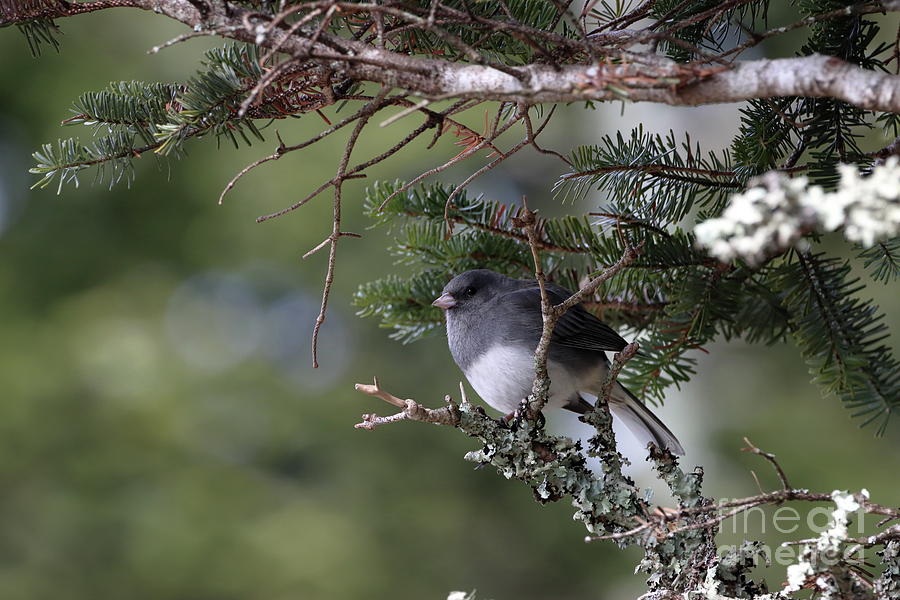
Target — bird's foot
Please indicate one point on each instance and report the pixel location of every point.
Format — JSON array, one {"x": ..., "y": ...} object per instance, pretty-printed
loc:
[{"x": 520, "y": 416}]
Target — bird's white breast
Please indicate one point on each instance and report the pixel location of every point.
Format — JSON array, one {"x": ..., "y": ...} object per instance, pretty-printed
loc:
[{"x": 503, "y": 377}]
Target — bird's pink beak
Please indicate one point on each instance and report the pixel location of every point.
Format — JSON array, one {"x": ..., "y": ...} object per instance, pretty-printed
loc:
[{"x": 445, "y": 301}]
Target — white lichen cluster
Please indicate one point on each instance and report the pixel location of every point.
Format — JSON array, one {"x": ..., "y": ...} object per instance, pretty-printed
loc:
[
  {"x": 814, "y": 561},
  {"x": 769, "y": 218},
  {"x": 709, "y": 589}
]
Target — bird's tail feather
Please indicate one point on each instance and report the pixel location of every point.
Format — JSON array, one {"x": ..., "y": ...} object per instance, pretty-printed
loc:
[{"x": 641, "y": 421}]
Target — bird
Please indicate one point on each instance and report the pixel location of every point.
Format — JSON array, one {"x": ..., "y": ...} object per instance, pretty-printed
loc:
[{"x": 494, "y": 323}]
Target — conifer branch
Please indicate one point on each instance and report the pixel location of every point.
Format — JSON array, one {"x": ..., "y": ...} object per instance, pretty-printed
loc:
[
  {"x": 841, "y": 339},
  {"x": 659, "y": 80}
]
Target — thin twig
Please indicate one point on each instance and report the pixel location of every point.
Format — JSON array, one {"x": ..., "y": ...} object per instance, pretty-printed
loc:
[
  {"x": 191, "y": 35},
  {"x": 540, "y": 389},
  {"x": 486, "y": 141},
  {"x": 355, "y": 173},
  {"x": 326, "y": 241},
  {"x": 406, "y": 111},
  {"x": 619, "y": 360},
  {"x": 370, "y": 109},
  {"x": 619, "y": 535},
  {"x": 531, "y": 135},
  {"x": 587, "y": 290},
  {"x": 771, "y": 458},
  {"x": 281, "y": 150}
]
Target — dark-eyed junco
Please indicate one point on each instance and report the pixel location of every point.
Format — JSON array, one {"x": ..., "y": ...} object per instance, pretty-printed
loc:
[{"x": 493, "y": 327}]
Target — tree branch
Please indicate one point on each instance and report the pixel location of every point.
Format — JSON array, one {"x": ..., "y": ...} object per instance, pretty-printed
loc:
[
  {"x": 411, "y": 410},
  {"x": 656, "y": 79}
]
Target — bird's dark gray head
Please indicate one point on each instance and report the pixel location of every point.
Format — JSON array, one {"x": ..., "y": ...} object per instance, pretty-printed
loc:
[{"x": 472, "y": 289}]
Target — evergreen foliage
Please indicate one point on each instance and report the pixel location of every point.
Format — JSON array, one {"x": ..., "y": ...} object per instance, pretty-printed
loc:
[
  {"x": 636, "y": 173},
  {"x": 832, "y": 128},
  {"x": 704, "y": 24},
  {"x": 39, "y": 33},
  {"x": 131, "y": 118},
  {"x": 841, "y": 336},
  {"x": 883, "y": 260},
  {"x": 652, "y": 187}
]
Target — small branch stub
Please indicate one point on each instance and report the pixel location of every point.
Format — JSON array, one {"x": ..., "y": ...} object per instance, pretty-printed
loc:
[{"x": 618, "y": 363}]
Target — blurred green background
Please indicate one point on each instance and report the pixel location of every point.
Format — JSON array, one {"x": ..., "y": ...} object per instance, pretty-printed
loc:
[{"x": 162, "y": 434}]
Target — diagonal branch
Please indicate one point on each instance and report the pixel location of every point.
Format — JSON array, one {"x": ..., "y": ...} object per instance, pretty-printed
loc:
[
  {"x": 619, "y": 360},
  {"x": 785, "y": 484},
  {"x": 550, "y": 313}
]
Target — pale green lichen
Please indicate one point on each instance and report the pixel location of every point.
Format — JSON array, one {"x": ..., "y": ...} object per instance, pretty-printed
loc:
[
  {"x": 683, "y": 560},
  {"x": 732, "y": 571},
  {"x": 607, "y": 502},
  {"x": 888, "y": 584}
]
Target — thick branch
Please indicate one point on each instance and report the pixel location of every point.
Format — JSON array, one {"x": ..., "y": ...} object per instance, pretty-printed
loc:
[{"x": 660, "y": 80}]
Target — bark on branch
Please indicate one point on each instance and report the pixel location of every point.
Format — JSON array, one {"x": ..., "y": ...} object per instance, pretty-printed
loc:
[
  {"x": 411, "y": 410},
  {"x": 648, "y": 79}
]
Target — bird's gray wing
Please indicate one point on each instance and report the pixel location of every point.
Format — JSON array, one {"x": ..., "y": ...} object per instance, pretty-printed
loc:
[{"x": 577, "y": 328}]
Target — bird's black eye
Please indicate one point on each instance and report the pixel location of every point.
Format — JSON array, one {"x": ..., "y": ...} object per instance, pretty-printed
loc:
[{"x": 470, "y": 291}]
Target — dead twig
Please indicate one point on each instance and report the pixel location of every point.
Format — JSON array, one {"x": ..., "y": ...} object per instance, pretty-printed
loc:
[
  {"x": 531, "y": 135},
  {"x": 218, "y": 31},
  {"x": 771, "y": 458},
  {"x": 469, "y": 151},
  {"x": 411, "y": 410},
  {"x": 282, "y": 149},
  {"x": 370, "y": 109}
]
